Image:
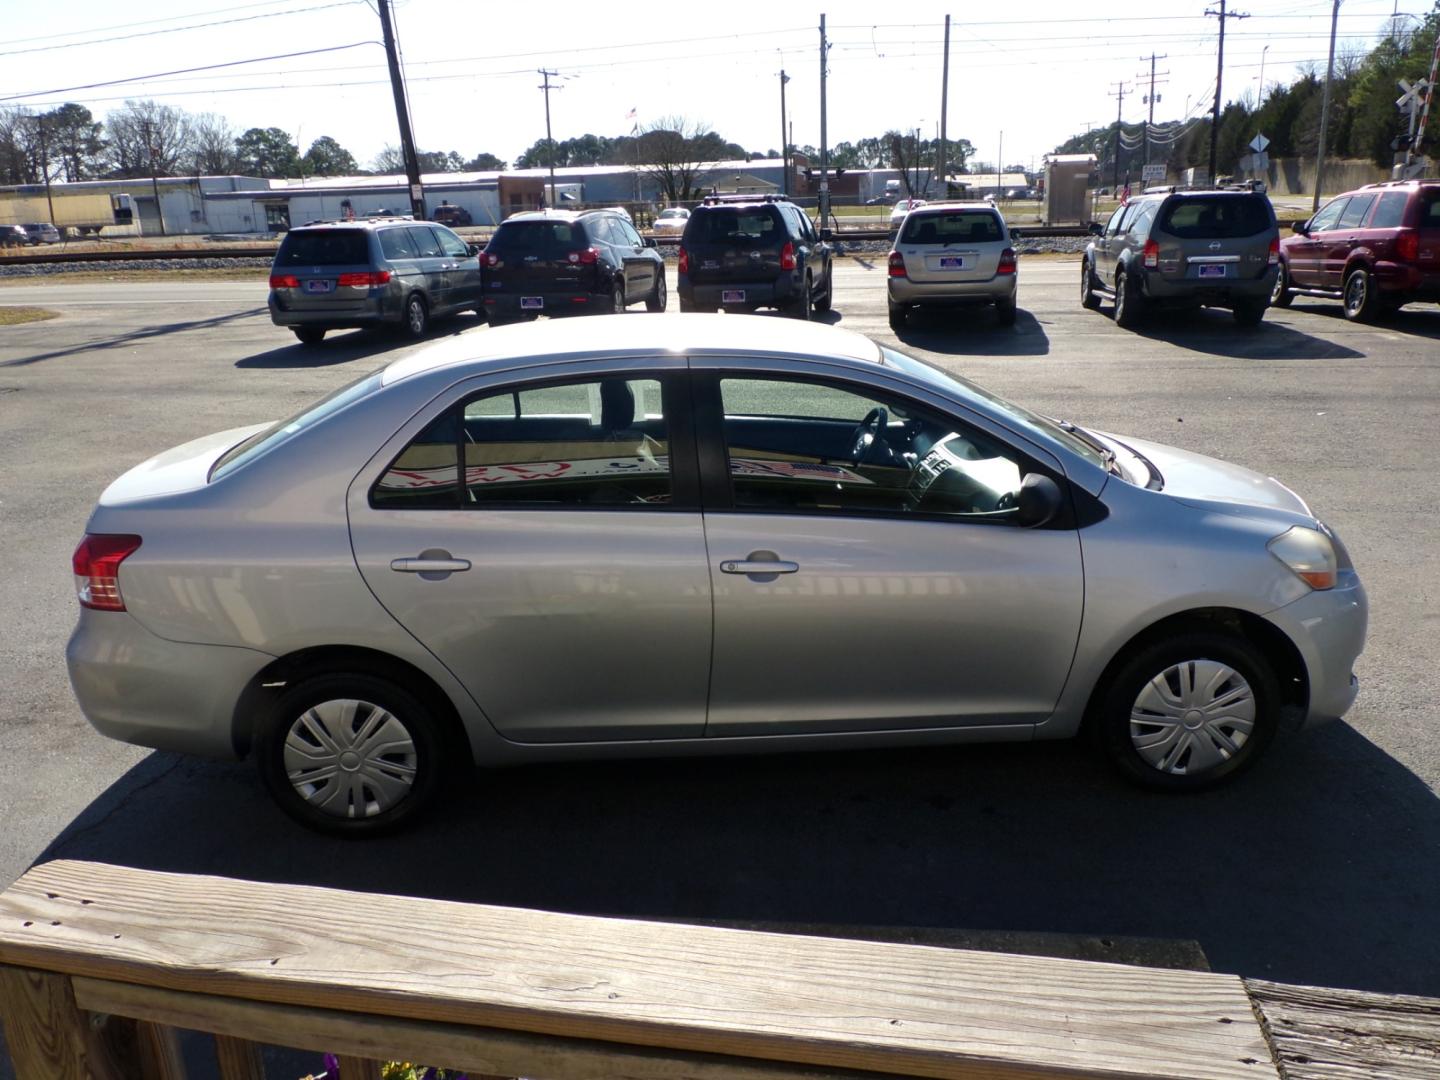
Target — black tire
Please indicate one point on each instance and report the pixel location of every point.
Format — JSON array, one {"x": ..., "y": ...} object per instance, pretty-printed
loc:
[
  {"x": 1128, "y": 305},
  {"x": 1005, "y": 312},
  {"x": 658, "y": 297},
  {"x": 1116, "y": 732},
  {"x": 825, "y": 299},
  {"x": 617, "y": 297},
  {"x": 377, "y": 776},
  {"x": 1281, "y": 296},
  {"x": 1089, "y": 298},
  {"x": 687, "y": 306},
  {"x": 803, "y": 306},
  {"x": 1360, "y": 297},
  {"x": 309, "y": 335},
  {"x": 1249, "y": 313},
  {"x": 416, "y": 322},
  {"x": 897, "y": 316}
]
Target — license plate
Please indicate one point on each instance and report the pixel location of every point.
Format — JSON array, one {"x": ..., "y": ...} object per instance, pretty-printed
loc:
[
  {"x": 732, "y": 296},
  {"x": 1212, "y": 270},
  {"x": 532, "y": 303},
  {"x": 319, "y": 285},
  {"x": 951, "y": 262}
]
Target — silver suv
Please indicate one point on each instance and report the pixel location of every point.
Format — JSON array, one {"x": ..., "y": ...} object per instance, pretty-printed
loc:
[
  {"x": 1184, "y": 249},
  {"x": 345, "y": 274},
  {"x": 949, "y": 254}
]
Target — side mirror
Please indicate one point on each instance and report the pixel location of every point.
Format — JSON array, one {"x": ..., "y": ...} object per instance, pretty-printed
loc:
[
  {"x": 1016, "y": 234},
  {"x": 1301, "y": 227},
  {"x": 1040, "y": 501},
  {"x": 473, "y": 249},
  {"x": 826, "y": 235},
  {"x": 649, "y": 241},
  {"x": 1096, "y": 229}
]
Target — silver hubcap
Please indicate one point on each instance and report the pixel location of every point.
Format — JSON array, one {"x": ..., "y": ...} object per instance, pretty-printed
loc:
[
  {"x": 1278, "y": 293},
  {"x": 1355, "y": 292},
  {"x": 350, "y": 759},
  {"x": 1192, "y": 717},
  {"x": 417, "y": 316}
]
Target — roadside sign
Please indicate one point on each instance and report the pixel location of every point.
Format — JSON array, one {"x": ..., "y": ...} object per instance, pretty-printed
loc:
[
  {"x": 417, "y": 192},
  {"x": 1150, "y": 173},
  {"x": 1259, "y": 143},
  {"x": 1411, "y": 94}
]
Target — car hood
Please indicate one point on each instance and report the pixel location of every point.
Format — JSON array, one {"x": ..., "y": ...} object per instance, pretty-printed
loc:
[
  {"x": 181, "y": 468},
  {"x": 1211, "y": 484}
]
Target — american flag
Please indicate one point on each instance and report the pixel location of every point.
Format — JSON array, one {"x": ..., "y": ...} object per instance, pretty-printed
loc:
[{"x": 630, "y": 115}]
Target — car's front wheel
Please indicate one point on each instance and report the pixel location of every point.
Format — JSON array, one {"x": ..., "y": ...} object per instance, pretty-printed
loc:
[
  {"x": 350, "y": 753},
  {"x": 1089, "y": 298},
  {"x": 1189, "y": 711}
]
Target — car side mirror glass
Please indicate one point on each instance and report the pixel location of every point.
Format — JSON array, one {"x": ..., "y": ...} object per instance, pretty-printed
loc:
[
  {"x": 1039, "y": 502},
  {"x": 473, "y": 249},
  {"x": 1096, "y": 229},
  {"x": 1016, "y": 234}
]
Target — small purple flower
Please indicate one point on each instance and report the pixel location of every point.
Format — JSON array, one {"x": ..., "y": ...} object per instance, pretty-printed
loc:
[{"x": 332, "y": 1066}]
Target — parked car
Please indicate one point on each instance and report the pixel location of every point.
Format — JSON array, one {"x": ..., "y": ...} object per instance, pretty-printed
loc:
[
  {"x": 671, "y": 220},
  {"x": 693, "y": 535},
  {"x": 949, "y": 255},
  {"x": 450, "y": 215},
  {"x": 1178, "y": 249},
  {"x": 382, "y": 272},
  {"x": 13, "y": 236},
  {"x": 559, "y": 262},
  {"x": 746, "y": 252},
  {"x": 883, "y": 199},
  {"x": 901, "y": 208},
  {"x": 1375, "y": 250},
  {"x": 41, "y": 232}
]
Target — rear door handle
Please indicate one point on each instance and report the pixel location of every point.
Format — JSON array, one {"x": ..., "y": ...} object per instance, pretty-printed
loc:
[
  {"x": 425, "y": 565},
  {"x": 758, "y": 566}
]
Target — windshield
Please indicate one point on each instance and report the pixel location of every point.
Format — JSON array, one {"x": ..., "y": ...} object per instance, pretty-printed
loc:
[
  {"x": 1063, "y": 433},
  {"x": 324, "y": 247},
  {"x": 1216, "y": 216},
  {"x": 266, "y": 440},
  {"x": 726, "y": 225}
]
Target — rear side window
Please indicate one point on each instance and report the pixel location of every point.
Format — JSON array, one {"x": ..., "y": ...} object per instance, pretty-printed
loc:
[
  {"x": 324, "y": 247},
  {"x": 395, "y": 244},
  {"x": 1391, "y": 211},
  {"x": 1217, "y": 216},
  {"x": 960, "y": 226},
  {"x": 259, "y": 443},
  {"x": 425, "y": 241},
  {"x": 537, "y": 238},
  {"x": 730, "y": 225}
]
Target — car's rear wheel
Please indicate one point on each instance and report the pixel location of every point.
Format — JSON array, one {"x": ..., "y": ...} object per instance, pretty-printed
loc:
[
  {"x": 1188, "y": 712},
  {"x": 417, "y": 316},
  {"x": 350, "y": 754},
  {"x": 825, "y": 299},
  {"x": 897, "y": 316},
  {"x": 1249, "y": 313},
  {"x": 1361, "y": 299},
  {"x": 1127, "y": 301},
  {"x": 1089, "y": 298},
  {"x": 803, "y": 306},
  {"x": 309, "y": 335},
  {"x": 617, "y": 297},
  {"x": 1005, "y": 310},
  {"x": 1280, "y": 295},
  {"x": 658, "y": 298}
]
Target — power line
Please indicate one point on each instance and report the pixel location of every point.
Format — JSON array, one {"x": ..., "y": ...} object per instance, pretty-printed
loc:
[{"x": 145, "y": 22}]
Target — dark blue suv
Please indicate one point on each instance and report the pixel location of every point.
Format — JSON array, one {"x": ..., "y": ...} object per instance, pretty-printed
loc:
[{"x": 750, "y": 252}]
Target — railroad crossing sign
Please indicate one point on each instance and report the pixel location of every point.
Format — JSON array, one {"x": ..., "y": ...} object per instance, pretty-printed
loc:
[
  {"x": 1411, "y": 95},
  {"x": 1259, "y": 143}
]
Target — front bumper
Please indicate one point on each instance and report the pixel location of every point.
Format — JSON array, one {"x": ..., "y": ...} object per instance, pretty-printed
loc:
[
  {"x": 1001, "y": 287},
  {"x": 171, "y": 695},
  {"x": 1328, "y": 628}
]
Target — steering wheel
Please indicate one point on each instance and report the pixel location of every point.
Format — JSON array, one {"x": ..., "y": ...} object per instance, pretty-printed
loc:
[{"x": 868, "y": 433}]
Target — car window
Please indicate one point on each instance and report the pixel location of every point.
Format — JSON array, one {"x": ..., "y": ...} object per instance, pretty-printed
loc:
[
  {"x": 809, "y": 447},
  {"x": 1391, "y": 211},
  {"x": 1113, "y": 225},
  {"x": 1216, "y": 217},
  {"x": 546, "y": 238},
  {"x": 600, "y": 443},
  {"x": 324, "y": 247},
  {"x": 452, "y": 244},
  {"x": 1327, "y": 217},
  {"x": 602, "y": 231},
  {"x": 956, "y": 226},
  {"x": 271, "y": 437},
  {"x": 631, "y": 236},
  {"x": 1144, "y": 217},
  {"x": 724, "y": 225},
  {"x": 1430, "y": 213},
  {"x": 395, "y": 244},
  {"x": 1354, "y": 215},
  {"x": 425, "y": 242}
]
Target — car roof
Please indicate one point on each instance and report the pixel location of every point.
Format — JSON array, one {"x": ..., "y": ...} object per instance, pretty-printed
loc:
[
  {"x": 939, "y": 207},
  {"x": 645, "y": 335}
]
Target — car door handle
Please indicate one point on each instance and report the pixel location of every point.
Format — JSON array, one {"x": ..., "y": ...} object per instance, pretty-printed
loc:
[
  {"x": 424, "y": 565},
  {"x": 758, "y": 566}
]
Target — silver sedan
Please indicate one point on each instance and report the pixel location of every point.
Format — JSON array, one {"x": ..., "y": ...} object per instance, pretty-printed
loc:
[{"x": 693, "y": 534}]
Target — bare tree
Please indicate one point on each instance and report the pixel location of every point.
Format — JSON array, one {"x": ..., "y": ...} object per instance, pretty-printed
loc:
[
  {"x": 148, "y": 139},
  {"x": 212, "y": 150},
  {"x": 19, "y": 146},
  {"x": 672, "y": 152},
  {"x": 907, "y": 153},
  {"x": 390, "y": 160}
]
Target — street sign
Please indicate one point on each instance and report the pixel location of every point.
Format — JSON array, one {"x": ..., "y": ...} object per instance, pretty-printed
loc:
[
  {"x": 1151, "y": 173},
  {"x": 1259, "y": 143}
]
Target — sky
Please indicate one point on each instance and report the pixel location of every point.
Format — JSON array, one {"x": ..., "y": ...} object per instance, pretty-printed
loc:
[{"x": 1024, "y": 76}]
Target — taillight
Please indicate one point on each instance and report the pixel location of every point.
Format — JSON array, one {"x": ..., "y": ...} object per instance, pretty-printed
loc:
[
  {"x": 284, "y": 281},
  {"x": 1273, "y": 258},
  {"x": 365, "y": 281},
  {"x": 1007, "y": 262},
  {"x": 1151, "y": 256},
  {"x": 1407, "y": 245},
  {"x": 897, "y": 265},
  {"x": 787, "y": 256},
  {"x": 96, "y": 563},
  {"x": 684, "y": 261},
  {"x": 589, "y": 257},
  {"x": 491, "y": 259}
]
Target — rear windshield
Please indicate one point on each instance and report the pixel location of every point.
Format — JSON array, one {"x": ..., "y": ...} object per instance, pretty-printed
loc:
[
  {"x": 1218, "y": 216},
  {"x": 324, "y": 247},
  {"x": 958, "y": 226},
  {"x": 538, "y": 237},
  {"x": 734, "y": 224},
  {"x": 262, "y": 441}
]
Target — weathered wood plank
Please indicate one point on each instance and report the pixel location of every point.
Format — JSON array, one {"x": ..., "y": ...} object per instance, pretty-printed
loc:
[
  {"x": 841, "y": 1004},
  {"x": 359, "y": 1069},
  {"x": 1322, "y": 1034},
  {"x": 48, "y": 1035},
  {"x": 235, "y": 1058}
]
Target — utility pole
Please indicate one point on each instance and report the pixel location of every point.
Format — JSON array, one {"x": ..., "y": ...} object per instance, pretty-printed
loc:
[
  {"x": 45, "y": 165},
  {"x": 1118, "y": 92},
  {"x": 549, "y": 141},
  {"x": 154, "y": 181},
  {"x": 1222, "y": 15},
  {"x": 943, "y": 164},
  {"x": 1000, "y": 168},
  {"x": 402, "y": 113},
  {"x": 1325, "y": 110},
  {"x": 784, "y": 146},
  {"x": 1150, "y": 100},
  {"x": 824, "y": 147}
]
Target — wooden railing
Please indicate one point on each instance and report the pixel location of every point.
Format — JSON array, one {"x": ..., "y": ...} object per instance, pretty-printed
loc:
[{"x": 101, "y": 965}]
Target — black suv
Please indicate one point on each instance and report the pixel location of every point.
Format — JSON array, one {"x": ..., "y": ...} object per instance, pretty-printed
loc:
[
  {"x": 559, "y": 262},
  {"x": 750, "y": 252},
  {"x": 1172, "y": 249}
]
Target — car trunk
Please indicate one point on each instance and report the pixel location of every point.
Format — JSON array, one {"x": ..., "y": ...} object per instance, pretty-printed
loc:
[
  {"x": 963, "y": 245},
  {"x": 315, "y": 260},
  {"x": 535, "y": 257},
  {"x": 726, "y": 244},
  {"x": 1219, "y": 239}
]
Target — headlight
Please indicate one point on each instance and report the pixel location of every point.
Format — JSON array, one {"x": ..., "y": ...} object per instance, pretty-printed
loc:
[{"x": 1309, "y": 554}]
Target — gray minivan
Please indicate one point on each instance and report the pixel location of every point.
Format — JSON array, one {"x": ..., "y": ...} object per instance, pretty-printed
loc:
[{"x": 346, "y": 274}]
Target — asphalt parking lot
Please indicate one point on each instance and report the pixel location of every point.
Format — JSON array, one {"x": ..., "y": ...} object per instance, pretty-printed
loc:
[{"x": 1319, "y": 867}]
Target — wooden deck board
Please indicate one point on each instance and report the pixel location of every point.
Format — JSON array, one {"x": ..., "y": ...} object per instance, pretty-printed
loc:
[{"x": 853, "y": 1005}]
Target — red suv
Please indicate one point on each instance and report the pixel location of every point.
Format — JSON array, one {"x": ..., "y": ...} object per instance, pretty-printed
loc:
[{"x": 1374, "y": 249}]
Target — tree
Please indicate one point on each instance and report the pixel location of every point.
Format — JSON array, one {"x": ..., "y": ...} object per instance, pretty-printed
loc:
[
  {"x": 910, "y": 156},
  {"x": 19, "y": 146},
  {"x": 672, "y": 153},
  {"x": 147, "y": 139},
  {"x": 390, "y": 160},
  {"x": 485, "y": 163},
  {"x": 74, "y": 142},
  {"x": 212, "y": 150},
  {"x": 435, "y": 161},
  {"x": 326, "y": 157},
  {"x": 268, "y": 152}
]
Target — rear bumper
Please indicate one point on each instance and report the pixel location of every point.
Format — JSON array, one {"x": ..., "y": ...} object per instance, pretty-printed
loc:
[
  {"x": 139, "y": 688},
  {"x": 505, "y": 305},
  {"x": 368, "y": 311},
  {"x": 780, "y": 292},
  {"x": 905, "y": 291},
  {"x": 1404, "y": 278},
  {"x": 1193, "y": 291},
  {"x": 1328, "y": 628}
]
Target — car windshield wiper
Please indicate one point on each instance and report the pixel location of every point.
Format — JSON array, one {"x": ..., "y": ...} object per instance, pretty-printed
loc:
[{"x": 1107, "y": 456}]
